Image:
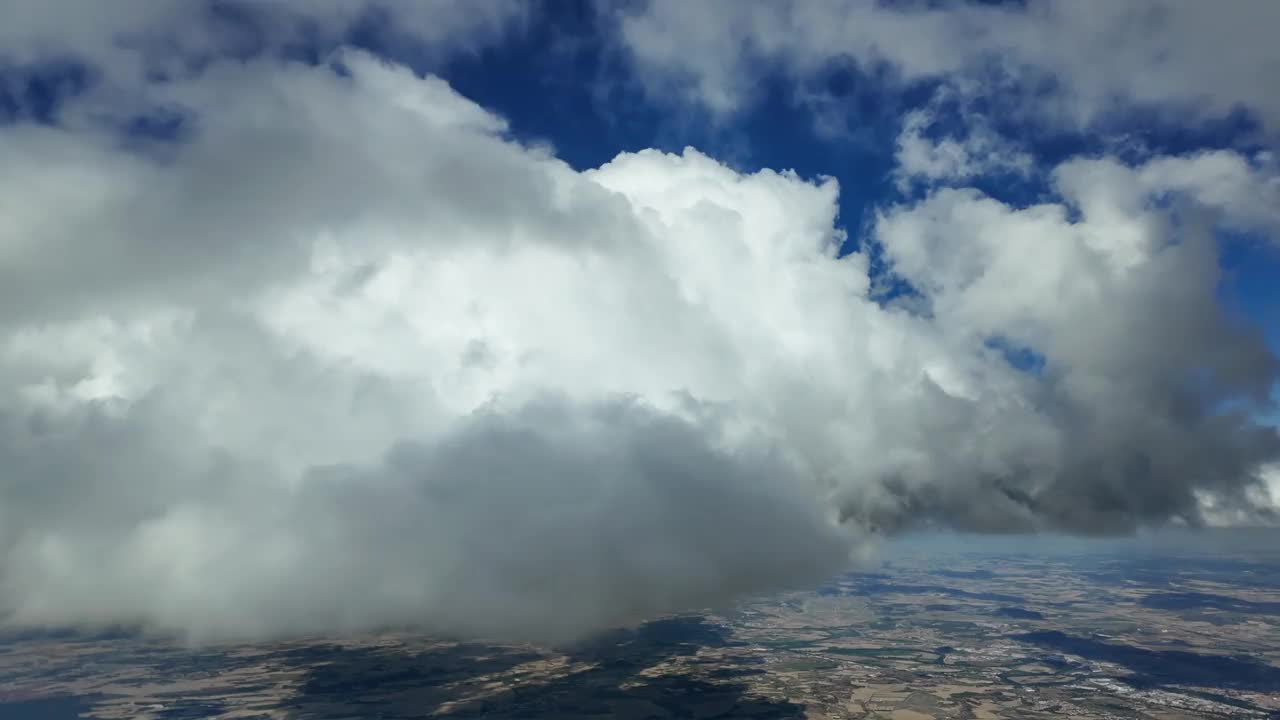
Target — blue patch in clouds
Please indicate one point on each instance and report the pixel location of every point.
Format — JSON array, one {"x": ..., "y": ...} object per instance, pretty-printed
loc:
[
  {"x": 1019, "y": 357},
  {"x": 36, "y": 93}
]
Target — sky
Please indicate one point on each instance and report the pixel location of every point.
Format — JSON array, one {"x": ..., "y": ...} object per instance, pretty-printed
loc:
[{"x": 529, "y": 319}]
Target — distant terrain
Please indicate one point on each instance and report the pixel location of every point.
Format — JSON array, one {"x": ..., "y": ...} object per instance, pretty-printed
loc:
[{"x": 998, "y": 628}]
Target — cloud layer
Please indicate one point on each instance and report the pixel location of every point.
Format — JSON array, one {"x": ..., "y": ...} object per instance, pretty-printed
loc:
[
  {"x": 347, "y": 355},
  {"x": 1069, "y": 62}
]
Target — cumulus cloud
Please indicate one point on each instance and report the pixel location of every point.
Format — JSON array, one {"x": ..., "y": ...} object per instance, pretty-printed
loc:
[
  {"x": 1119, "y": 303},
  {"x": 349, "y": 357},
  {"x": 1073, "y": 61},
  {"x": 346, "y": 355}
]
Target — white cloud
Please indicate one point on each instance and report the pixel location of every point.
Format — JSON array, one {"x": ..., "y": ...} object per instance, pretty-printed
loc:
[
  {"x": 1121, "y": 304},
  {"x": 126, "y": 38},
  {"x": 348, "y": 356},
  {"x": 980, "y": 152},
  {"x": 1199, "y": 60}
]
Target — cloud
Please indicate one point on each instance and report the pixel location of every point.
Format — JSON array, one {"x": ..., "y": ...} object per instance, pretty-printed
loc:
[
  {"x": 345, "y": 355},
  {"x": 539, "y": 523},
  {"x": 1264, "y": 495},
  {"x": 1120, "y": 303},
  {"x": 980, "y": 152},
  {"x": 1071, "y": 63},
  {"x": 162, "y": 38},
  {"x": 348, "y": 357}
]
